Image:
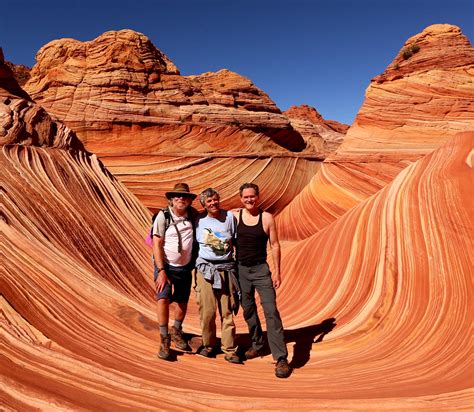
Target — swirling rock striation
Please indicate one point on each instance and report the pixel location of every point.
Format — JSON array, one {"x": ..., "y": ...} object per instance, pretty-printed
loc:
[
  {"x": 120, "y": 78},
  {"x": 395, "y": 272},
  {"x": 411, "y": 109},
  {"x": 377, "y": 305},
  {"x": 79, "y": 331},
  {"x": 129, "y": 104}
]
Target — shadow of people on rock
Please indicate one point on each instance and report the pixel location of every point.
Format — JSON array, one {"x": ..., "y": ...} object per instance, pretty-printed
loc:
[{"x": 304, "y": 339}]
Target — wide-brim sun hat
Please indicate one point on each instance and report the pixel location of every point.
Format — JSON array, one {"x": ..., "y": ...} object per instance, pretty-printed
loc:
[{"x": 180, "y": 189}]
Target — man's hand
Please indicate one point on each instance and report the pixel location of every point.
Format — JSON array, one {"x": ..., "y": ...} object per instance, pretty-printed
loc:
[
  {"x": 161, "y": 281},
  {"x": 276, "y": 279}
]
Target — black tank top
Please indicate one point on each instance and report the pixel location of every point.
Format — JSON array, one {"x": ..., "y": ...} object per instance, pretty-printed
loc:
[{"x": 251, "y": 242}]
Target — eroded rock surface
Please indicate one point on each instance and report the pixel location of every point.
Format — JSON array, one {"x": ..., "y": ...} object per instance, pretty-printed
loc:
[
  {"x": 23, "y": 121},
  {"x": 121, "y": 78},
  {"x": 416, "y": 105},
  {"x": 128, "y": 104},
  {"x": 321, "y": 135},
  {"x": 376, "y": 305}
]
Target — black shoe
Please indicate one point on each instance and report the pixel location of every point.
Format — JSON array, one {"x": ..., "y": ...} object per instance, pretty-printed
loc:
[
  {"x": 282, "y": 369},
  {"x": 232, "y": 358},
  {"x": 165, "y": 344},
  {"x": 207, "y": 352},
  {"x": 253, "y": 353}
]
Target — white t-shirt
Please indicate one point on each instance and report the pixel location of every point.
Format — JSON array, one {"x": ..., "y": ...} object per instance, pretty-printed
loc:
[
  {"x": 216, "y": 235},
  {"x": 170, "y": 238}
]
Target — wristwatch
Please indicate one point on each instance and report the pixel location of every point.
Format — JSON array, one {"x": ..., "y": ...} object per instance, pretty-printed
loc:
[{"x": 160, "y": 269}]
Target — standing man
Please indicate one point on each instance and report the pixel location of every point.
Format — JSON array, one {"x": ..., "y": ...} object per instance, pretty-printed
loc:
[
  {"x": 173, "y": 233},
  {"x": 255, "y": 228},
  {"x": 216, "y": 278}
]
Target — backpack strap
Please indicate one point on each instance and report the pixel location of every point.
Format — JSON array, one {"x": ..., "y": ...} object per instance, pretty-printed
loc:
[{"x": 169, "y": 221}]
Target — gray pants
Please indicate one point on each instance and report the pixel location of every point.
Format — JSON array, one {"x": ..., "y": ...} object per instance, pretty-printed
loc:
[{"x": 259, "y": 278}]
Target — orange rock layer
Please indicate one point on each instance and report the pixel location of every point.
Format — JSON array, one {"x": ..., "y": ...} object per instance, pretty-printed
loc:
[
  {"x": 395, "y": 272},
  {"x": 377, "y": 305},
  {"x": 127, "y": 102},
  {"x": 373, "y": 326},
  {"x": 410, "y": 110},
  {"x": 121, "y": 78},
  {"x": 149, "y": 170}
]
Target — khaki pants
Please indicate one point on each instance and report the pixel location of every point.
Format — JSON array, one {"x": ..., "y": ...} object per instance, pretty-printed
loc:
[{"x": 209, "y": 300}]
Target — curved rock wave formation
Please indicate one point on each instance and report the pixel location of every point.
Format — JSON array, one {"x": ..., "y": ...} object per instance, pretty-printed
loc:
[
  {"x": 377, "y": 304},
  {"x": 418, "y": 103},
  {"x": 222, "y": 157},
  {"x": 127, "y": 102},
  {"x": 78, "y": 327},
  {"x": 396, "y": 271}
]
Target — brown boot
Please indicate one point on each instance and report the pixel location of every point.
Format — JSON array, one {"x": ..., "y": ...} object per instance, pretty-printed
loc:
[
  {"x": 177, "y": 338},
  {"x": 165, "y": 343},
  {"x": 282, "y": 369},
  {"x": 253, "y": 353},
  {"x": 232, "y": 358}
]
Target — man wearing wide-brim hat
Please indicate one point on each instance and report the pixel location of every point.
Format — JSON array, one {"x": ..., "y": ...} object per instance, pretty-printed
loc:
[
  {"x": 180, "y": 189},
  {"x": 173, "y": 234}
]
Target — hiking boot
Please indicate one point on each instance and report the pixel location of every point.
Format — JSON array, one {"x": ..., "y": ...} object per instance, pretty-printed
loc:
[
  {"x": 207, "y": 352},
  {"x": 232, "y": 358},
  {"x": 282, "y": 369},
  {"x": 253, "y": 353},
  {"x": 165, "y": 344},
  {"x": 177, "y": 338}
]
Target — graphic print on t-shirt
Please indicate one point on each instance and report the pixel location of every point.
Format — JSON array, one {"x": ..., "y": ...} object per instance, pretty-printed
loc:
[{"x": 217, "y": 241}]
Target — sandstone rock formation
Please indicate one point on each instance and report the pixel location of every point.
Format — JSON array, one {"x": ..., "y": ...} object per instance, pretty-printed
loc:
[
  {"x": 321, "y": 135},
  {"x": 377, "y": 305},
  {"x": 120, "y": 78},
  {"x": 395, "y": 272},
  {"x": 128, "y": 104},
  {"x": 20, "y": 72},
  {"x": 411, "y": 109},
  {"x": 79, "y": 329},
  {"x": 22, "y": 121}
]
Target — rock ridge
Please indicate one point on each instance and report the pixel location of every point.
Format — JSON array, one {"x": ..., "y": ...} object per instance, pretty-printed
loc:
[
  {"x": 24, "y": 122},
  {"x": 321, "y": 135},
  {"x": 121, "y": 78}
]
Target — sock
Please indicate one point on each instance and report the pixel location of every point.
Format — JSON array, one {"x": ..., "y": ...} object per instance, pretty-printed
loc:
[
  {"x": 178, "y": 324},
  {"x": 164, "y": 330}
]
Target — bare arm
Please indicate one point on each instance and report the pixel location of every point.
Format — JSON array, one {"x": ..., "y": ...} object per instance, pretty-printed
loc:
[
  {"x": 158, "y": 254},
  {"x": 275, "y": 248}
]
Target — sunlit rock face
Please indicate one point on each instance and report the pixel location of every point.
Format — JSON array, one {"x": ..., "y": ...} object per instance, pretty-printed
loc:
[
  {"x": 419, "y": 102},
  {"x": 396, "y": 273},
  {"x": 377, "y": 306},
  {"x": 321, "y": 135},
  {"x": 78, "y": 320},
  {"x": 153, "y": 127}
]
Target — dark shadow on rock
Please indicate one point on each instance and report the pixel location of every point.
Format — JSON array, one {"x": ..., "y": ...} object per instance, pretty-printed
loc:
[{"x": 304, "y": 339}]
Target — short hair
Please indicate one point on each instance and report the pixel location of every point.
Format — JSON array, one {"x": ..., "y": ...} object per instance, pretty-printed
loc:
[
  {"x": 209, "y": 192},
  {"x": 249, "y": 186}
]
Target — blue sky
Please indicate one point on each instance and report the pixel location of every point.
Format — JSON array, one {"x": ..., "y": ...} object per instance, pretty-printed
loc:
[{"x": 320, "y": 53}]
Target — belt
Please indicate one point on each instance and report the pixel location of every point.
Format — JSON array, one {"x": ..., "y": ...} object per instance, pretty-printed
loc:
[{"x": 253, "y": 263}]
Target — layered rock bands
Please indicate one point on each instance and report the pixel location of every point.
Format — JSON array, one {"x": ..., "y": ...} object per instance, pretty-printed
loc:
[{"x": 376, "y": 296}]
